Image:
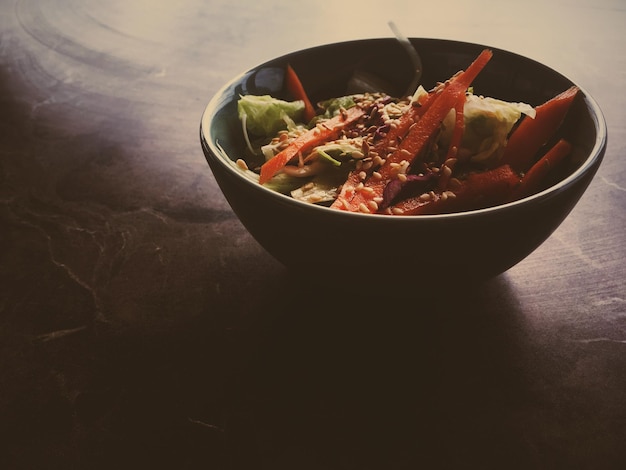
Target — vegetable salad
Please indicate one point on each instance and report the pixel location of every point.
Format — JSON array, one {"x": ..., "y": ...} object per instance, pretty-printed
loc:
[{"x": 437, "y": 151}]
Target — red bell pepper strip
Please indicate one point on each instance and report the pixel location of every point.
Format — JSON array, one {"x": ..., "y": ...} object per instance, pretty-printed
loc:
[
  {"x": 535, "y": 177},
  {"x": 478, "y": 190},
  {"x": 324, "y": 131},
  {"x": 417, "y": 138},
  {"x": 294, "y": 85},
  {"x": 531, "y": 134}
]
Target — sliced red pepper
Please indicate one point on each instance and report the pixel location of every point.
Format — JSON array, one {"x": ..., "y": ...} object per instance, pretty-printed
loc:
[
  {"x": 479, "y": 190},
  {"x": 533, "y": 180},
  {"x": 324, "y": 131},
  {"x": 294, "y": 85},
  {"x": 416, "y": 139},
  {"x": 532, "y": 134}
]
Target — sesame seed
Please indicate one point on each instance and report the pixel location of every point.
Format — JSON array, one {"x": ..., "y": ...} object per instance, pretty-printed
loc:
[
  {"x": 402, "y": 177},
  {"x": 372, "y": 206},
  {"x": 241, "y": 164},
  {"x": 343, "y": 202},
  {"x": 424, "y": 197},
  {"x": 363, "y": 208},
  {"x": 377, "y": 175},
  {"x": 397, "y": 211},
  {"x": 362, "y": 175}
]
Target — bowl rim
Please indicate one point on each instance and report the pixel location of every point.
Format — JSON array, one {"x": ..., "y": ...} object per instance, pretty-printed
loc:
[{"x": 593, "y": 159}]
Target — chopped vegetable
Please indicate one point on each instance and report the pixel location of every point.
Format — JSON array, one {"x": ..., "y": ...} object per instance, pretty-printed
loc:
[
  {"x": 532, "y": 134},
  {"x": 485, "y": 124},
  {"x": 477, "y": 191},
  {"x": 438, "y": 151},
  {"x": 265, "y": 115},
  {"x": 308, "y": 140},
  {"x": 294, "y": 85},
  {"x": 415, "y": 141},
  {"x": 534, "y": 178}
]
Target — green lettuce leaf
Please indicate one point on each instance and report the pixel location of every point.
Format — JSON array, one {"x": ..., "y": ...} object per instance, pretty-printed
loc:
[{"x": 265, "y": 115}]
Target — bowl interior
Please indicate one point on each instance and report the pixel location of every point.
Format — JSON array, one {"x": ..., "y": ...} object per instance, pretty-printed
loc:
[{"x": 326, "y": 72}]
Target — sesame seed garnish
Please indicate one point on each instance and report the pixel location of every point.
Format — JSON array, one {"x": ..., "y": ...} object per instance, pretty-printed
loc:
[
  {"x": 363, "y": 208},
  {"x": 241, "y": 164},
  {"x": 357, "y": 154},
  {"x": 343, "y": 202}
]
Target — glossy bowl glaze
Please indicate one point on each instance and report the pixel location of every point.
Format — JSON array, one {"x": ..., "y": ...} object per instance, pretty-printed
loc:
[{"x": 353, "y": 248}]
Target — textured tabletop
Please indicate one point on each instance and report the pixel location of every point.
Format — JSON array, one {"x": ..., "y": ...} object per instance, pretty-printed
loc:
[{"x": 141, "y": 326}]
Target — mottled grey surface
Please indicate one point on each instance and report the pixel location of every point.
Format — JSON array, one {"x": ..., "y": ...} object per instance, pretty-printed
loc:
[{"x": 142, "y": 327}]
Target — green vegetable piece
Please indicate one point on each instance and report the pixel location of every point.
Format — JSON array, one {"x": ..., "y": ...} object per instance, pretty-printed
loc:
[{"x": 265, "y": 115}]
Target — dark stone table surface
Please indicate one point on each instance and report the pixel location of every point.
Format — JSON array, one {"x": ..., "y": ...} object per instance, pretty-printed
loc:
[{"x": 142, "y": 327}]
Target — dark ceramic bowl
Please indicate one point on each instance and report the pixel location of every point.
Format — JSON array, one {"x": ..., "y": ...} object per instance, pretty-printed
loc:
[{"x": 348, "y": 248}]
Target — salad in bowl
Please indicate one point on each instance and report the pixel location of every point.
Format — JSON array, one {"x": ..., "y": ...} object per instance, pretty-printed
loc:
[{"x": 437, "y": 151}]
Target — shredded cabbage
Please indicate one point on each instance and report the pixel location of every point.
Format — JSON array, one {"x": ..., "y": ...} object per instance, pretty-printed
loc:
[{"x": 488, "y": 122}]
